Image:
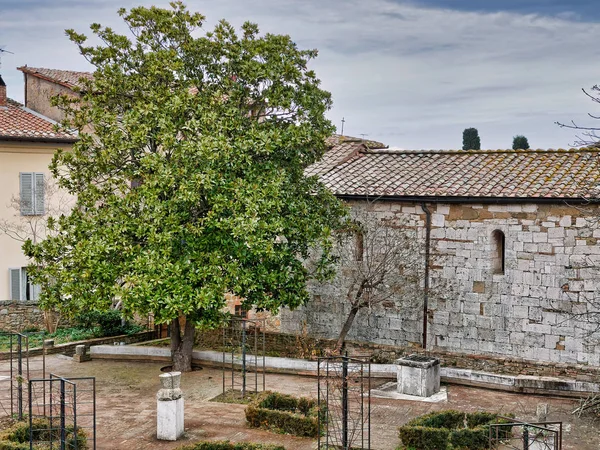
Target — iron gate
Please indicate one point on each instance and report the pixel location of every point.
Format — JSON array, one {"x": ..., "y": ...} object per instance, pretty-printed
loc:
[
  {"x": 16, "y": 368},
  {"x": 344, "y": 403},
  {"x": 62, "y": 413},
  {"x": 516, "y": 435}
]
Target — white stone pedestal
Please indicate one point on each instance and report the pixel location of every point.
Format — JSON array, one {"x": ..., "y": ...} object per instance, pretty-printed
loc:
[
  {"x": 169, "y": 408},
  {"x": 418, "y": 375}
]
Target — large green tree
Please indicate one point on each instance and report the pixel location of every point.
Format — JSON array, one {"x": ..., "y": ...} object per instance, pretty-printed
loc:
[
  {"x": 471, "y": 139},
  {"x": 189, "y": 175}
]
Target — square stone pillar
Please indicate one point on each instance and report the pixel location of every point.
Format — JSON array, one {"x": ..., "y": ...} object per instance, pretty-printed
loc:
[
  {"x": 81, "y": 354},
  {"x": 418, "y": 375},
  {"x": 169, "y": 407}
]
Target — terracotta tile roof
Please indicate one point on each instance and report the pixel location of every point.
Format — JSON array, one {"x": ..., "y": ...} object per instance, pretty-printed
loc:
[
  {"x": 23, "y": 124},
  {"x": 341, "y": 149},
  {"x": 68, "y": 78},
  {"x": 542, "y": 174}
]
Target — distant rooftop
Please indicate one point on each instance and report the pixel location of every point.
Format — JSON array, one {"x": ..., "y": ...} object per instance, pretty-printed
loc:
[
  {"x": 68, "y": 78},
  {"x": 18, "y": 123}
]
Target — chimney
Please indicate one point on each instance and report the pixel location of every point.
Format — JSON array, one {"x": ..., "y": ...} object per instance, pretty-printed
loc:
[{"x": 3, "y": 100}]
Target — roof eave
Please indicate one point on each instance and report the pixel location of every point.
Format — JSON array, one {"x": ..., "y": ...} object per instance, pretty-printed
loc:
[
  {"x": 467, "y": 199},
  {"x": 38, "y": 139},
  {"x": 70, "y": 86}
]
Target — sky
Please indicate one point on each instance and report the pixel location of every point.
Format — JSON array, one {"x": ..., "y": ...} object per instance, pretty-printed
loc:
[{"x": 412, "y": 74}]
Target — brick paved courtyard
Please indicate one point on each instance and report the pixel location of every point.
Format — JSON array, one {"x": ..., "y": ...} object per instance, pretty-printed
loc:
[{"x": 126, "y": 408}]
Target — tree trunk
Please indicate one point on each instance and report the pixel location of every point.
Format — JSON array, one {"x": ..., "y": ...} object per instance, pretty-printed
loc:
[
  {"x": 182, "y": 344},
  {"x": 339, "y": 347}
]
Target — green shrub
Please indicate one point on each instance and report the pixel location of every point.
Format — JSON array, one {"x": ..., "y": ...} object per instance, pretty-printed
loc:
[
  {"x": 106, "y": 323},
  {"x": 284, "y": 413},
  {"x": 16, "y": 436},
  {"x": 424, "y": 438},
  {"x": 226, "y": 445},
  {"x": 446, "y": 430}
]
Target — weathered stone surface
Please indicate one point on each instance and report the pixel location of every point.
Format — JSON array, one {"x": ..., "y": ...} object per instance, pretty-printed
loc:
[
  {"x": 552, "y": 256},
  {"x": 81, "y": 354},
  {"x": 169, "y": 407},
  {"x": 418, "y": 375},
  {"x": 170, "y": 386},
  {"x": 18, "y": 316}
]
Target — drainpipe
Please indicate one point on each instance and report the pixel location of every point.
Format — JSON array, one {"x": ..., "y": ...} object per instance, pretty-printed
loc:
[{"x": 426, "y": 285}]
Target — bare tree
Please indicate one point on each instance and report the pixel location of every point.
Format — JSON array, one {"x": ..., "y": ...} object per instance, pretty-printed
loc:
[
  {"x": 587, "y": 135},
  {"x": 35, "y": 227},
  {"x": 383, "y": 262}
]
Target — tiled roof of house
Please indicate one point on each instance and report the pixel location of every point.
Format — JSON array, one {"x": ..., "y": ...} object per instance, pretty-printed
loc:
[
  {"x": 341, "y": 149},
  {"x": 20, "y": 123},
  {"x": 542, "y": 174},
  {"x": 68, "y": 78}
]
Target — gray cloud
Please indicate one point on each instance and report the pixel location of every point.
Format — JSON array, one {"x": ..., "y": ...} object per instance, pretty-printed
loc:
[{"x": 412, "y": 77}]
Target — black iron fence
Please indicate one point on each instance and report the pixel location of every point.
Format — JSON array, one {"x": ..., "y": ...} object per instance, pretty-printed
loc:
[
  {"x": 344, "y": 401},
  {"x": 516, "y": 435},
  {"x": 16, "y": 368},
  {"x": 243, "y": 359},
  {"x": 62, "y": 413}
]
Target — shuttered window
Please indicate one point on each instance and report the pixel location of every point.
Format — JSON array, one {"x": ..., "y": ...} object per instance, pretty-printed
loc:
[
  {"x": 21, "y": 287},
  {"x": 15, "y": 284},
  {"x": 31, "y": 193}
]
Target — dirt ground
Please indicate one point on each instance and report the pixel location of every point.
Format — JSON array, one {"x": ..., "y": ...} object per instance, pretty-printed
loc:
[{"x": 126, "y": 408}]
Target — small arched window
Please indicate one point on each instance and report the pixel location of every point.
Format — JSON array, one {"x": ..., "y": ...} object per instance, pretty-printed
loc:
[
  {"x": 498, "y": 251},
  {"x": 359, "y": 246}
]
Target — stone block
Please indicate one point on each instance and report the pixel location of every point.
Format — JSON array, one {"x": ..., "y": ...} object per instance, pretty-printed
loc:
[
  {"x": 565, "y": 221},
  {"x": 443, "y": 209},
  {"x": 81, "y": 354},
  {"x": 418, "y": 375},
  {"x": 169, "y": 408},
  {"x": 169, "y": 419}
]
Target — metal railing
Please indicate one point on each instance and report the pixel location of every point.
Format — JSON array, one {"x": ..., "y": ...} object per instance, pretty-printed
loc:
[
  {"x": 517, "y": 435},
  {"x": 62, "y": 413}
]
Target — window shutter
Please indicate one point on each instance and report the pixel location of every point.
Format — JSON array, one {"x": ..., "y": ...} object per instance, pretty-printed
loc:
[
  {"x": 39, "y": 194},
  {"x": 26, "y": 193},
  {"x": 36, "y": 290},
  {"x": 15, "y": 284},
  {"x": 24, "y": 284}
]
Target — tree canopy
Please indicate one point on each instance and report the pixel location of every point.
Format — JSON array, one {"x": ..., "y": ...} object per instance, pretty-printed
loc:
[
  {"x": 520, "y": 142},
  {"x": 471, "y": 139},
  {"x": 189, "y": 173}
]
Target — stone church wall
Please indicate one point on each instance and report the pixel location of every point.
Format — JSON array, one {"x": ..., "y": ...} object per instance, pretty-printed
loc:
[{"x": 551, "y": 260}]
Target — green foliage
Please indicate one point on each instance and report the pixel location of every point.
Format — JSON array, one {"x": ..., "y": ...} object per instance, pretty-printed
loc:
[
  {"x": 71, "y": 334},
  {"x": 284, "y": 413},
  {"x": 16, "y": 436},
  {"x": 193, "y": 175},
  {"x": 520, "y": 142},
  {"x": 448, "y": 430},
  {"x": 106, "y": 323},
  {"x": 471, "y": 139},
  {"x": 226, "y": 445},
  {"x": 424, "y": 438}
]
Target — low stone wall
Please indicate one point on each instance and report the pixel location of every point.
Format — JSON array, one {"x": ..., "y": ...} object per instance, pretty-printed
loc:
[
  {"x": 306, "y": 347},
  {"x": 19, "y": 316},
  {"x": 69, "y": 347}
]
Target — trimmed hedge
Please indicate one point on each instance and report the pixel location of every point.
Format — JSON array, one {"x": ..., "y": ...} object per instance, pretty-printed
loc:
[
  {"x": 16, "y": 436},
  {"x": 284, "y": 413},
  {"x": 226, "y": 445},
  {"x": 449, "y": 430}
]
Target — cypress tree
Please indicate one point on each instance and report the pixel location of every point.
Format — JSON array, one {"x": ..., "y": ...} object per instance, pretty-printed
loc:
[
  {"x": 520, "y": 142},
  {"x": 471, "y": 139}
]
